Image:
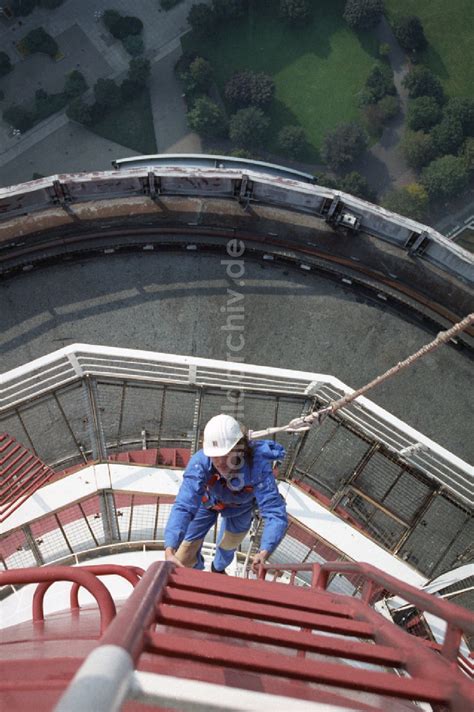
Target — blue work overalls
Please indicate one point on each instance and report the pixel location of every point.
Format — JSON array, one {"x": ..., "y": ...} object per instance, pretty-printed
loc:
[{"x": 204, "y": 494}]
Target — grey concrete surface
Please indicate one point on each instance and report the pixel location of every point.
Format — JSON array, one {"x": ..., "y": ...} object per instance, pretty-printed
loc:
[
  {"x": 172, "y": 132},
  {"x": 70, "y": 148},
  {"x": 176, "y": 303},
  {"x": 87, "y": 46},
  {"x": 383, "y": 164},
  {"x": 38, "y": 71}
]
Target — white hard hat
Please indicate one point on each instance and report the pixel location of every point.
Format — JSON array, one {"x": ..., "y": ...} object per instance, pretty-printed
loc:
[{"x": 220, "y": 435}]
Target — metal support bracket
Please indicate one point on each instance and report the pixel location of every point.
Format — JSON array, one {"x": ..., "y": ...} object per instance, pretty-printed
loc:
[
  {"x": 61, "y": 196},
  {"x": 419, "y": 245},
  {"x": 153, "y": 186}
]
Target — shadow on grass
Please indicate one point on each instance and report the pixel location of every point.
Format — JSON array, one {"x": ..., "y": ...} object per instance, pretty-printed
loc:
[
  {"x": 130, "y": 125},
  {"x": 433, "y": 60},
  {"x": 281, "y": 116},
  {"x": 369, "y": 43}
]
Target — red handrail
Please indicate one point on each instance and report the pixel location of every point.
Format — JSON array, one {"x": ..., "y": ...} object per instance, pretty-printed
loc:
[
  {"x": 105, "y": 570},
  {"x": 458, "y": 619},
  {"x": 130, "y": 573},
  {"x": 131, "y": 625},
  {"x": 51, "y": 574}
]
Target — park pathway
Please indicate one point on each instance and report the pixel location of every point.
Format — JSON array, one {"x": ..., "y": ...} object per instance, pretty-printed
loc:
[
  {"x": 46, "y": 145},
  {"x": 172, "y": 132},
  {"x": 383, "y": 165}
]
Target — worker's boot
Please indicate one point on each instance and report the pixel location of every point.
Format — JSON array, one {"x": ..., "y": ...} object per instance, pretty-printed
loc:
[{"x": 215, "y": 571}]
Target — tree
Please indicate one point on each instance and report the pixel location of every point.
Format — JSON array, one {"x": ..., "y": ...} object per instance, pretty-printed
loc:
[
  {"x": 249, "y": 88},
  {"x": 47, "y": 104},
  {"x": 139, "y": 70},
  {"x": 134, "y": 45},
  {"x": 423, "y": 113},
  {"x": 207, "y": 118},
  {"x": 127, "y": 25},
  {"x": 409, "y": 32},
  {"x": 363, "y": 14},
  {"x": 241, "y": 153},
  {"x": 51, "y": 4},
  {"x": 295, "y": 12},
  {"x": 355, "y": 184},
  {"x": 229, "y": 9},
  {"x": 107, "y": 94},
  {"x": 377, "y": 115},
  {"x": 445, "y": 177},
  {"x": 410, "y": 200},
  {"x": 79, "y": 111},
  {"x": 468, "y": 154},
  {"x": 249, "y": 127},
  {"x": 75, "y": 84},
  {"x": 110, "y": 18},
  {"x": 447, "y": 136},
  {"x": 201, "y": 73},
  {"x": 417, "y": 148},
  {"x": 461, "y": 109},
  {"x": 38, "y": 40},
  {"x": 379, "y": 83},
  {"x": 5, "y": 64},
  {"x": 121, "y": 26},
  {"x": 21, "y": 8},
  {"x": 326, "y": 180},
  {"x": 202, "y": 19},
  {"x": 344, "y": 144},
  {"x": 130, "y": 88},
  {"x": 420, "y": 81},
  {"x": 389, "y": 106},
  {"x": 18, "y": 117},
  {"x": 292, "y": 141}
]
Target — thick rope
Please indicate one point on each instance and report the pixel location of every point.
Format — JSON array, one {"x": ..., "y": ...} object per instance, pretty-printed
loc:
[{"x": 299, "y": 425}]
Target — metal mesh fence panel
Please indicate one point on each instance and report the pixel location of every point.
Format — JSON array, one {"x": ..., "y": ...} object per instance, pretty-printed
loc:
[
  {"x": 407, "y": 496},
  {"x": 12, "y": 425},
  {"x": 378, "y": 524},
  {"x": 109, "y": 398},
  {"x": 434, "y": 540},
  {"x": 76, "y": 528},
  {"x": 401, "y": 491},
  {"x": 178, "y": 415},
  {"x": 91, "y": 509},
  {"x": 378, "y": 476},
  {"x": 75, "y": 407},
  {"x": 163, "y": 516},
  {"x": 289, "y": 551},
  {"x": 456, "y": 551},
  {"x": 16, "y": 551},
  {"x": 138, "y": 409},
  {"x": 329, "y": 458},
  {"x": 49, "y": 539},
  {"x": 212, "y": 404},
  {"x": 123, "y": 511},
  {"x": 40, "y": 419},
  {"x": 143, "y": 517}
]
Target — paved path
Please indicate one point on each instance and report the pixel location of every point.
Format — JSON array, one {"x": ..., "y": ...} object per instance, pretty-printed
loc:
[
  {"x": 383, "y": 164},
  {"x": 162, "y": 31},
  {"x": 172, "y": 132}
]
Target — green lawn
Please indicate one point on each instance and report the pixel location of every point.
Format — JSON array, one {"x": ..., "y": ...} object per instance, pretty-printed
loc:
[
  {"x": 318, "y": 70},
  {"x": 131, "y": 125},
  {"x": 449, "y": 29}
]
